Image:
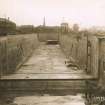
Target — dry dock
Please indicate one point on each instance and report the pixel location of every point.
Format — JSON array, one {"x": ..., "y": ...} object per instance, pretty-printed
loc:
[{"x": 47, "y": 62}]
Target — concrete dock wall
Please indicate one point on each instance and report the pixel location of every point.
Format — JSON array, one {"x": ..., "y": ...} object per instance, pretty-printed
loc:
[
  {"x": 3, "y": 55},
  {"x": 93, "y": 56},
  {"x": 20, "y": 47},
  {"x": 83, "y": 54},
  {"x": 77, "y": 49},
  {"x": 101, "y": 57},
  {"x": 48, "y": 36},
  {"x": 14, "y": 50}
]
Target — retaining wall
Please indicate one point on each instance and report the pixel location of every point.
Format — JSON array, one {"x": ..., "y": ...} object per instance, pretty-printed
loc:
[
  {"x": 76, "y": 48},
  {"x": 15, "y": 49},
  {"x": 3, "y": 55},
  {"x": 48, "y": 36}
]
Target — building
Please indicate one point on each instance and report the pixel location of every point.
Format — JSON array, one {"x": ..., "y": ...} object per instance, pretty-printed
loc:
[
  {"x": 7, "y": 27},
  {"x": 25, "y": 29},
  {"x": 75, "y": 27},
  {"x": 64, "y": 27}
]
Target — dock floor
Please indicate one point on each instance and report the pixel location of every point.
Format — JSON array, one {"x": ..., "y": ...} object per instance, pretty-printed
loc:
[{"x": 47, "y": 62}]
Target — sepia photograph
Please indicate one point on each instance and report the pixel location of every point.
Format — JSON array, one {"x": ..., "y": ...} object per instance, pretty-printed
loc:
[{"x": 52, "y": 52}]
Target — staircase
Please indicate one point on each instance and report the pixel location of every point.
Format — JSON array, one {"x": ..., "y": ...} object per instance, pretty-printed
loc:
[{"x": 43, "y": 85}]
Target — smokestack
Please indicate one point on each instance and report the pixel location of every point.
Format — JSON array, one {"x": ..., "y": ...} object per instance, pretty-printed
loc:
[
  {"x": 8, "y": 18},
  {"x": 44, "y": 22}
]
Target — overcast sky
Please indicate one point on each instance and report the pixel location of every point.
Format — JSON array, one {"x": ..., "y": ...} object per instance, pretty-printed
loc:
[{"x": 84, "y": 12}]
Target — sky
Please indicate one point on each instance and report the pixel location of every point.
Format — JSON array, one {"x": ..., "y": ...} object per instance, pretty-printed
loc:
[{"x": 86, "y": 13}]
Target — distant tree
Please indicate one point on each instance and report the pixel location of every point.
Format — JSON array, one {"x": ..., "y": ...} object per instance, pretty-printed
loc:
[
  {"x": 48, "y": 29},
  {"x": 26, "y": 29}
]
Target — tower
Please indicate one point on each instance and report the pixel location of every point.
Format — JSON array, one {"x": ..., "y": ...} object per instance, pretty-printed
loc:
[{"x": 44, "y": 22}]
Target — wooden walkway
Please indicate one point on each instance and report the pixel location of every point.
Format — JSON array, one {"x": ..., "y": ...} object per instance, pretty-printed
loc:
[{"x": 47, "y": 62}]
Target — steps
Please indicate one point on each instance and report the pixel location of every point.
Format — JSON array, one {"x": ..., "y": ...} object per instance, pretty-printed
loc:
[{"x": 42, "y": 85}]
